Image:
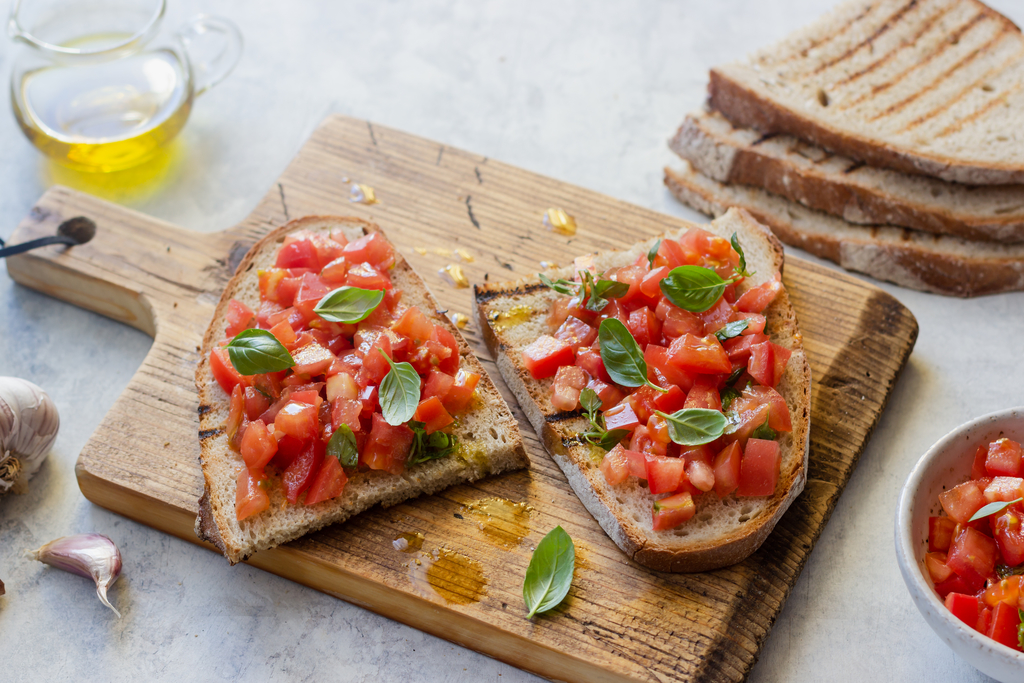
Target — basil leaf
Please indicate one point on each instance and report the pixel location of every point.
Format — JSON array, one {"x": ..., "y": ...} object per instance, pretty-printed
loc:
[
  {"x": 993, "y": 508},
  {"x": 602, "y": 290},
  {"x": 1005, "y": 570},
  {"x": 550, "y": 572},
  {"x": 590, "y": 400},
  {"x": 1020, "y": 628},
  {"x": 348, "y": 304},
  {"x": 608, "y": 439},
  {"x": 742, "y": 269},
  {"x": 622, "y": 356},
  {"x": 653, "y": 252},
  {"x": 735, "y": 374},
  {"x": 694, "y": 426},
  {"x": 729, "y": 395},
  {"x": 561, "y": 286},
  {"x": 255, "y": 352},
  {"x": 763, "y": 431},
  {"x": 693, "y": 288},
  {"x": 733, "y": 329},
  {"x": 343, "y": 446},
  {"x": 399, "y": 392},
  {"x": 429, "y": 447}
]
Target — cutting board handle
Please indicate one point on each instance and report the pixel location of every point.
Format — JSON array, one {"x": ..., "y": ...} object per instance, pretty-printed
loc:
[{"x": 135, "y": 270}]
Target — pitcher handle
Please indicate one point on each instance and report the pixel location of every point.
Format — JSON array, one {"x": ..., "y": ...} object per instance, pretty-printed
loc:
[{"x": 213, "y": 46}]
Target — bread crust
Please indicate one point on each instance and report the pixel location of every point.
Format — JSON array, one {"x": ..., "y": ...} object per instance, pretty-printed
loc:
[
  {"x": 752, "y": 106},
  {"x": 929, "y": 263},
  {"x": 488, "y": 426},
  {"x": 845, "y": 188},
  {"x": 732, "y": 540}
]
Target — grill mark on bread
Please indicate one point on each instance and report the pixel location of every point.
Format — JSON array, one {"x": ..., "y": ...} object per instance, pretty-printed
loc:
[
  {"x": 887, "y": 57},
  {"x": 988, "y": 75},
  {"x": 953, "y": 39},
  {"x": 203, "y": 410},
  {"x": 208, "y": 433},
  {"x": 485, "y": 294},
  {"x": 960, "y": 123},
  {"x": 970, "y": 57},
  {"x": 831, "y": 36},
  {"x": 888, "y": 24},
  {"x": 563, "y": 415}
]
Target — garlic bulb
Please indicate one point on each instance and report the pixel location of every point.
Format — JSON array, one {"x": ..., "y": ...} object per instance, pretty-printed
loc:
[
  {"x": 28, "y": 427},
  {"x": 93, "y": 556}
]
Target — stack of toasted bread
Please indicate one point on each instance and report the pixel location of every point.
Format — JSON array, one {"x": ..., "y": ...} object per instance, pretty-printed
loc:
[{"x": 887, "y": 136}]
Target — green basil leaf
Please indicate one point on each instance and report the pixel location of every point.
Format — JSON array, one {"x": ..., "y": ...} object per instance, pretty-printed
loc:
[
  {"x": 600, "y": 291},
  {"x": 735, "y": 374},
  {"x": 695, "y": 426},
  {"x": 432, "y": 447},
  {"x": 610, "y": 289},
  {"x": 343, "y": 446},
  {"x": 255, "y": 352},
  {"x": 590, "y": 400},
  {"x": 1005, "y": 570},
  {"x": 733, "y": 329},
  {"x": 399, "y": 392},
  {"x": 728, "y": 396},
  {"x": 742, "y": 269},
  {"x": 653, "y": 252},
  {"x": 561, "y": 286},
  {"x": 1020, "y": 628},
  {"x": 550, "y": 572},
  {"x": 622, "y": 356},
  {"x": 348, "y": 304},
  {"x": 608, "y": 439},
  {"x": 993, "y": 508},
  {"x": 763, "y": 431},
  {"x": 693, "y": 288}
]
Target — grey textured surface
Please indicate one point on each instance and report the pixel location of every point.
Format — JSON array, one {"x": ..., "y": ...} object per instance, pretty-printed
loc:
[{"x": 582, "y": 91}]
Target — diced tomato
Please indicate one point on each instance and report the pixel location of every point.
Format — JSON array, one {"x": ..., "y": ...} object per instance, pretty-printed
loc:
[
  {"x": 269, "y": 281},
  {"x": 387, "y": 447},
  {"x": 437, "y": 384},
  {"x": 954, "y": 584},
  {"x": 544, "y": 356},
  {"x": 240, "y": 317},
  {"x": 671, "y": 255},
  {"x": 342, "y": 385},
  {"x": 414, "y": 325},
  {"x": 311, "y": 290},
  {"x": 432, "y": 413},
  {"x": 642, "y": 442},
  {"x": 460, "y": 393},
  {"x": 256, "y": 403},
  {"x": 937, "y": 568},
  {"x": 676, "y": 322},
  {"x": 756, "y": 299},
  {"x": 642, "y": 399},
  {"x": 664, "y": 473},
  {"x": 759, "y": 468},
  {"x": 312, "y": 359},
  {"x": 1003, "y": 458},
  {"x": 298, "y": 254},
  {"x": 978, "y": 467},
  {"x": 298, "y": 420},
  {"x": 223, "y": 371},
  {"x": 375, "y": 362},
  {"x": 236, "y": 417},
  {"x": 575, "y": 332},
  {"x": 671, "y": 401},
  {"x": 1004, "y": 627},
  {"x": 717, "y": 316},
  {"x": 449, "y": 362},
  {"x": 301, "y": 472},
  {"x": 761, "y": 365},
  {"x": 755, "y": 322},
  {"x": 1006, "y": 528},
  {"x": 964, "y": 607},
  {"x": 365, "y": 276},
  {"x": 650, "y": 286},
  {"x": 704, "y": 394},
  {"x": 727, "y": 469},
  {"x": 961, "y": 502},
  {"x": 1005, "y": 590},
  {"x": 738, "y": 348},
  {"x": 749, "y": 415},
  {"x": 615, "y": 465},
  {"x": 346, "y": 411},
  {"x": 658, "y": 358},
  {"x": 609, "y": 394},
  {"x": 570, "y": 380},
  {"x": 940, "y": 533},
  {"x": 1004, "y": 488},
  {"x": 701, "y": 355},
  {"x": 657, "y": 428},
  {"x": 250, "y": 498},
  {"x": 973, "y": 557},
  {"x": 369, "y": 398},
  {"x": 372, "y": 248},
  {"x": 334, "y": 272},
  {"x": 258, "y": 445},
  {"x": 621, "y": 416},
  {"x": 700, "y": 474},
  {"x": 668, "y": 513},
  {"x": 329, "y": 482},
  {"x": 590, "y": 360},
  {"x": 644, "y": 326}
]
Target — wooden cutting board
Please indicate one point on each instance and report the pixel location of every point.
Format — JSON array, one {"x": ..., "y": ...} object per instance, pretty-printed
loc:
[{"x": 621, "y": 622}]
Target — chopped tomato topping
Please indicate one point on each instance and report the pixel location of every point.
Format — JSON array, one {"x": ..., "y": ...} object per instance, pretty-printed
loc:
[
  {"x": 545, "y": 355},
  {"x": 329, "y": 482},
  {"x": 250, "y": 498}
]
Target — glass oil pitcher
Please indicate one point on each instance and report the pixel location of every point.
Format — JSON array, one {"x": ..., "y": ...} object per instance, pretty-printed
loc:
[{"x": 97, "y": 86}]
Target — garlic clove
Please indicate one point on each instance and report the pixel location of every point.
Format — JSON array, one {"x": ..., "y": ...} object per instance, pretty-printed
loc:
[
  {"x": 28, "y": 428},
  {"x": 93, "y": 556}
]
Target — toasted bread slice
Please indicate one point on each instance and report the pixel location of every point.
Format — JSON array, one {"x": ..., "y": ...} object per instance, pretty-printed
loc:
[
  {"x": 934, "y": 87},
  {"x": 724, "y": 531},
  {"x": 931, "y": 263},
  {"x": 851, "y": 190},
  {"x": 488, "y": 434}
]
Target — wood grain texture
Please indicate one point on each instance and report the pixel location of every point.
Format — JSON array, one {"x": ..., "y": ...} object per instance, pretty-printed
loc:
[{"x": 620, "y": 621}]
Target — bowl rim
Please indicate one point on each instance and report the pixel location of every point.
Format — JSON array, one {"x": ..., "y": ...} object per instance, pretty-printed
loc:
[{"x": 905, "y": 545}]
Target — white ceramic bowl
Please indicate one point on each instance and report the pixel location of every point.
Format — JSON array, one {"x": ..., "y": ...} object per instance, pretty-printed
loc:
[{"x": 945, "y": 465}]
